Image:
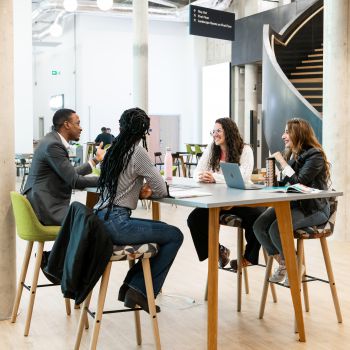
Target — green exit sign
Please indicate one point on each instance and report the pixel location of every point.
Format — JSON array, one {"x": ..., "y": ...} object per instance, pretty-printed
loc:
[{"x": 55, "y": 72}]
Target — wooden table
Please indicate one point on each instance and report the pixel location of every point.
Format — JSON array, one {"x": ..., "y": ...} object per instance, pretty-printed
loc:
[{"x": 222, "y": 197}]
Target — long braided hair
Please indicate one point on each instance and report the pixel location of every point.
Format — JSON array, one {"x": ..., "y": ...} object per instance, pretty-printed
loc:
[
  {"x": 234, "y": 143},
  {"x": 134, "y": 126}
]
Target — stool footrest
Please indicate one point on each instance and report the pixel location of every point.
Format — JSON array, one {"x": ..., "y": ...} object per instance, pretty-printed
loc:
[
  {"x": 92, "y": 313},
  {"x": 28, "y": 287}
]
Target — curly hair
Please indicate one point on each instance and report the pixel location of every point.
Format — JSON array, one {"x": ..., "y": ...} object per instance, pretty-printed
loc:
[
  {"x": 233, "y": 141},
  {"x": 134, "y": 125},
  {"x": 303, "y": 137}
]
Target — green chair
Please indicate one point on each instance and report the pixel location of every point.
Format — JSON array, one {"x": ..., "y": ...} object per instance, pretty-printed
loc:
[
  {"x": 31, "y": 230},
  {"x": 189, "y": 159},
  {"x": 198, "y": 151}
]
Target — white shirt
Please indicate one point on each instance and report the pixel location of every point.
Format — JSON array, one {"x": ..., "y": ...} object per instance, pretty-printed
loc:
[
  {"x": 67, "y": 145},
  {"x": 246, "y": 167}
]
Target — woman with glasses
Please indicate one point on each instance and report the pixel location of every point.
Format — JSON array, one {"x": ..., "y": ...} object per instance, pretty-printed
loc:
[
  {"x": 123, "y": 171},
  {"x": 305, "y": 162},
  {"x": 227, "y": 146}
]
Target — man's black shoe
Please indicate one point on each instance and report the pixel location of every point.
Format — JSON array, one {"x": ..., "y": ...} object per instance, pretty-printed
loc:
[
  {"x": 133, "y": 298},
  {"x": 122, "y": 291},
  {"x": 44, "y": 262}
]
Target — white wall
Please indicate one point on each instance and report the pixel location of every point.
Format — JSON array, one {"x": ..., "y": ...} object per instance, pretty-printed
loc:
[
  {"x": 60, "y": 58},
  {"x": 23, "y": 102},
  {"x": 104, "y": 73},
  {"x": 216, "y": 97}
]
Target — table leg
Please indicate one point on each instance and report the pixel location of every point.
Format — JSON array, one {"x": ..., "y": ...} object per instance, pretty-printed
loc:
[
  {"x": 213, "y": 278},
  {"x": 91, "y": 199},
  {"x": 285, "y": 227},
  {"x": 155, "y": 210}
]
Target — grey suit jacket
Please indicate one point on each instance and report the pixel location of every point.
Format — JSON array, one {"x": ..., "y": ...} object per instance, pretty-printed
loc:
[{"x": 51, "y": 180}]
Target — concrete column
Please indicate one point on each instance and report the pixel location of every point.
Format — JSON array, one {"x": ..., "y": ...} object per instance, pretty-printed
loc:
[
  {"x": 238, "y": 97},
  {"x": 336, "y": 104},
  {"x": 250, "y": 97},
  {"x": 140, "y": 54},
  {"x": 7, "y": 179}
]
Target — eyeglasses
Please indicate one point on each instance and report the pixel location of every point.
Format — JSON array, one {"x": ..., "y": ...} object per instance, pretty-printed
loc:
[{"x": 216, "y": 131}]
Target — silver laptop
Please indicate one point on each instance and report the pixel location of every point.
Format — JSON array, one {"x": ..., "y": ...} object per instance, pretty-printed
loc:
[{"x": 234, "y": 179}]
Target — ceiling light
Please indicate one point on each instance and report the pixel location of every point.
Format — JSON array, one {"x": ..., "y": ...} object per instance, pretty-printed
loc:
[
  {"x": 105, "y": 5},
  {"x": 56, "y": 30},
  {"x": 70, "y": 5}
]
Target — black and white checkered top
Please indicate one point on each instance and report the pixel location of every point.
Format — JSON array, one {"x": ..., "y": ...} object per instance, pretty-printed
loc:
[{"x": 140, "y": 167}]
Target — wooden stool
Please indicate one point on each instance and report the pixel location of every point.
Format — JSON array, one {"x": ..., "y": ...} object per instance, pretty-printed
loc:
[
  {"x": 235, "y": 221},
  {"x": 30, "y": 229},
  {"x": 130, "y": 253},
  {"x": 320, "y": 232}
]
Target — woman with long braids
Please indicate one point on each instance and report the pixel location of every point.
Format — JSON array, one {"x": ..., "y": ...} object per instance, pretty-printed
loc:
[
  {"x": 305, "y": 162},
  {"x": 121, "y": 184},
  {"x": 227, "y": 146}
]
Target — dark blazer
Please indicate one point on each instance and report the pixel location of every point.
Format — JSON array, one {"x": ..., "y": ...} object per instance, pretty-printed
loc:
[
  {"x": 80, "y": 253},
  {"x": 51, "y": 180},
  {"x": 310, "y": 170}
]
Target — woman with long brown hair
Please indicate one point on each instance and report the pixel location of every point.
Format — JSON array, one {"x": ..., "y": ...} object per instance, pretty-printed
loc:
[
  {"x": 227, "y": 146},
  {"x": 304, "y": 162}
]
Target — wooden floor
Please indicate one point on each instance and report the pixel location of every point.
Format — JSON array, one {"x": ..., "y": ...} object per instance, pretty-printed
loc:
[{"x": 182, "y": 321}]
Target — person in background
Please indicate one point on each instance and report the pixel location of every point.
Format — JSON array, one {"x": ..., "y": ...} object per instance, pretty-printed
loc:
[
  {"x": 52, "y": 176},
  {"x": 305, "y": 162},
  {"x": 227, "y": 146},
  {"x": 109, "y": 131},
  {"x": 123, "y": 171},
  {"x": 104, "y": 137}
]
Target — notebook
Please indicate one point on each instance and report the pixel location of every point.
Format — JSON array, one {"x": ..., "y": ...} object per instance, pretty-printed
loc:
[
  {"x": 186, "y": 191},
  {"x": 234, "y": 179}
]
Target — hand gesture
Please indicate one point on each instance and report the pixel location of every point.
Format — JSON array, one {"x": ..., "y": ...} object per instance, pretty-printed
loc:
[
  {"x": 279, "y": 158},
  {"x": 100, "y": 152},
  {"x": 206, "y": 176},
  {"x": 145, "y": 192}
]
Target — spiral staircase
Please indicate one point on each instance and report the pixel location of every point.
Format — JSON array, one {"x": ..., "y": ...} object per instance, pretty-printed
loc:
[{"x": 292, "y": 84}]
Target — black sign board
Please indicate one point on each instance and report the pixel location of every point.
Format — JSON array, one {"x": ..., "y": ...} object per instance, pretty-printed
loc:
[{"x": 212, "y": 23}]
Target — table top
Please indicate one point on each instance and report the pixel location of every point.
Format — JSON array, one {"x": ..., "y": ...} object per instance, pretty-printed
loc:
[{"x": 224, "y": 196}]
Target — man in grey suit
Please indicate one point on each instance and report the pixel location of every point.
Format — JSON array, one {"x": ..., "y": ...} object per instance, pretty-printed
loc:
[{"x": 52, "y": 177}]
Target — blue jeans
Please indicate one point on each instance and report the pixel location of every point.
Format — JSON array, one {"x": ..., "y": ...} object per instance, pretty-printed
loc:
[
  {"x": 266, "y": 227},
  {"x": 126, "y": 230}
]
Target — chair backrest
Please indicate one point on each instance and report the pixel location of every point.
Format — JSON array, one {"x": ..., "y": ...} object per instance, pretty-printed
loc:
[
  {"x": 189, "y": 149},
  {"x": 158, "y": 158},
  {"x": 320, "y": 231},
  {"x": 28, "y": 226},
  {"x": 333, "y": 203},
  {"x": 197, "y": 149}
]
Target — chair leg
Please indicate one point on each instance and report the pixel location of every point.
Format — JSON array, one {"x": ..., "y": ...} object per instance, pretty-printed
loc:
[
  {"x": 150, "y": 298},
  {"x": 266, "y": 286},
  {"x": 244, "y": 269},
  {"x": 136, "y": 316},
  {"x": 21, "y": 281},
  {"x": 68, "y": 309},
  {"x": 331, "y": 280},
  {"x": 239, "y": 268},
  {"x": 206, "y": 291},
  {"x": 301, "y": 262},
  {"x": 33, "y": 287},
  {"x": 272, "y": 286},
  {"x": 100, "y": 306},
  {"x": 305, "y": 288},
  {"x": 83, "y": 316}
]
